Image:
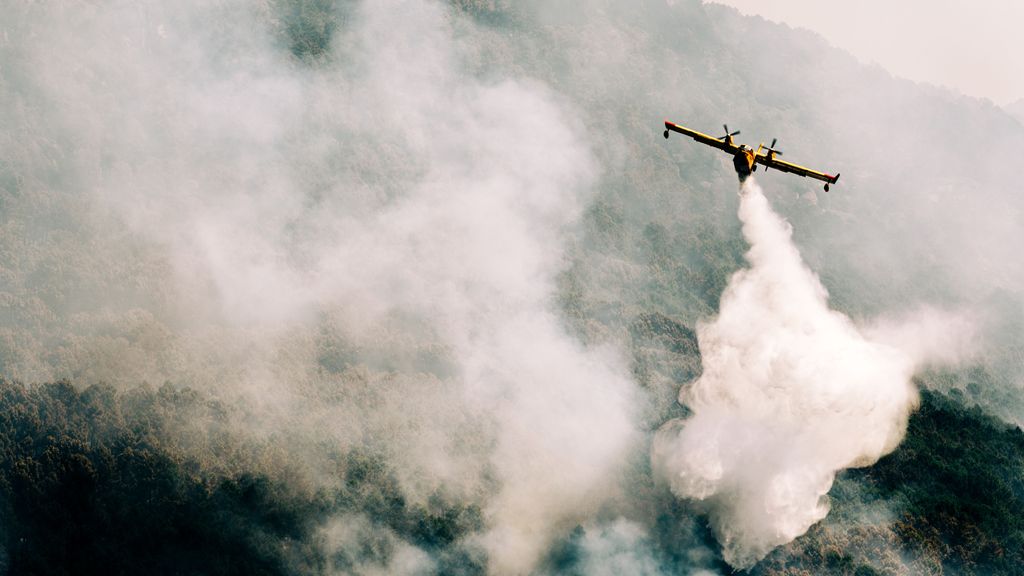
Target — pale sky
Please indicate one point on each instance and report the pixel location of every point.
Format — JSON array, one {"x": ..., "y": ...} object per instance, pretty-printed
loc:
[{"x": 972, "y": 46}]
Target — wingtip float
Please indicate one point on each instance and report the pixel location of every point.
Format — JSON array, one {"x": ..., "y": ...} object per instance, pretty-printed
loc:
[{"x": 745, "y": 160}]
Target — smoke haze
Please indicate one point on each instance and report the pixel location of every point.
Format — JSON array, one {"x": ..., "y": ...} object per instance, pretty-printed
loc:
[
  {"x": 385, "y": 188},
  {"x": 429, "y": 270}
]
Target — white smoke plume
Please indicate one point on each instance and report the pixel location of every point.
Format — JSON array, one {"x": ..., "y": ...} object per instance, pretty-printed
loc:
[{"x": 791, "y": 393}]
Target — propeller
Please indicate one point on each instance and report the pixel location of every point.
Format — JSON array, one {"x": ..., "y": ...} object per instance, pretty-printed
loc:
[
  {"x": 727, "y": 133},
  {"x": 772, "y": 150}
]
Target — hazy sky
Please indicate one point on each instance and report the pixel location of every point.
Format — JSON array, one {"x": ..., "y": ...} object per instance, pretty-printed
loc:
[{"x": 972, "y": 47}]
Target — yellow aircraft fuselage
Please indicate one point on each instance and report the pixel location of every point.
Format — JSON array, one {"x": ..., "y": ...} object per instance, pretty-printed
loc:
[{"x": 745, "y": 162}]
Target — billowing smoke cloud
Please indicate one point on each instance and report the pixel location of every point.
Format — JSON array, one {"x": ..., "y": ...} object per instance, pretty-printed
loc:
[
  {"x": 380, "y": 190},
  {"x": 791, "y": 393}
]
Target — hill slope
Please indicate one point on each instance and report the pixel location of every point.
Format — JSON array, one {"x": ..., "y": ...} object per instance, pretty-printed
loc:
[{"x": 210, "y": 210}]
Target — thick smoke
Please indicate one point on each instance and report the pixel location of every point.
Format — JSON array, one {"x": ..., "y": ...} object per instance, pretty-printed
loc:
[
  {"x": 378, "y": 193},
  {"x": 792, "y": 392}
]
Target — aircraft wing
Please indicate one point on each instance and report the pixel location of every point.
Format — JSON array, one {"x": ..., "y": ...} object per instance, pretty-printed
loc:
[
  {"x": 781, "y": 165},
  {"x": 701, "y": 137}
]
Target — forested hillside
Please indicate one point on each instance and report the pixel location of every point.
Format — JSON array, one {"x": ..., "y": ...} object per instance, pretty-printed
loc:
[
  {"x": 946, "y": 496},
  {"x": 333, "y": 287},
  {"x": 97, "y": 482},
  {"x": 101, "y": 482}
]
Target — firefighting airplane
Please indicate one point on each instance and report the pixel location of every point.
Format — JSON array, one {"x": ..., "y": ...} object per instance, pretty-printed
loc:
[{"x": 744, "y": 159}]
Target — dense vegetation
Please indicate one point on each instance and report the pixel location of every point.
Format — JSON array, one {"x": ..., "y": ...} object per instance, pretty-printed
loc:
[
  {"x": 948, "y": 500},
  {"x": 98, "y": 482},
  {"x": 91, "y": 483},
  {"x": 961, "y": 474}
]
